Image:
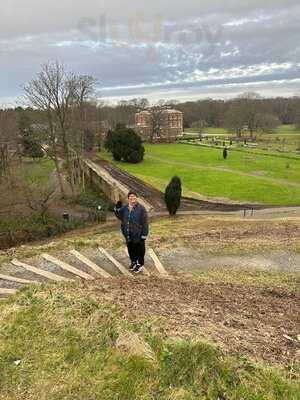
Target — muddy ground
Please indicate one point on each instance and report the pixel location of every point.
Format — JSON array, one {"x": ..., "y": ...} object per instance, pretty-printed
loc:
[{"x": 260, "y": 322}]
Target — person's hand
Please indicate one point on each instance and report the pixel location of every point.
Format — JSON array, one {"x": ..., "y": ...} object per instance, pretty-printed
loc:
[
  {"x": 143, "y": 238},
  {"x": 119, "y": 204}
]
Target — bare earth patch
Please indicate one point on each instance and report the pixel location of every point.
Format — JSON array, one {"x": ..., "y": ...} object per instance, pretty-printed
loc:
[{"x": 259, "y": 322}]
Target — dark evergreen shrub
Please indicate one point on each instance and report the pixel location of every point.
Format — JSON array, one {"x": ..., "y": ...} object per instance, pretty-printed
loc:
[{"x": 173, "y": 195}]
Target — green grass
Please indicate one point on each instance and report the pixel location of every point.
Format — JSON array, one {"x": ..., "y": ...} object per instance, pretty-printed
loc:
[
  {"x": 192, "y": 164},
  {"x": 281, "y": 130},
  {"x": 209, "y": 131},
  {"x": 285, "y": 137},
  {"x": 67, "y": 344},
  {"x": 37, "y": 171},
  {"x": 273, "y": 167},
  {"x": 287, "y": 129},
  {"x": 289, "y": 281},
  {"x": 168, "y": 233}
]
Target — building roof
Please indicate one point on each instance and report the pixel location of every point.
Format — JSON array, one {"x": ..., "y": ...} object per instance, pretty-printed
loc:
[
  {"x": 169, "y": 111},
  {"x": 172, "y": 110}
]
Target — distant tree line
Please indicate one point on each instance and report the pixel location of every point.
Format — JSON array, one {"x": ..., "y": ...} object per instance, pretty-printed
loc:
[
  {"x": 248, "y": 109},
  {"x": 63, "y": 116}
]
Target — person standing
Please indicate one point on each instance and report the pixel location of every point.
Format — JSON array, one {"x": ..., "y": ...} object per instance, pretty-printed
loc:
[{"x": 135, "y": 229}]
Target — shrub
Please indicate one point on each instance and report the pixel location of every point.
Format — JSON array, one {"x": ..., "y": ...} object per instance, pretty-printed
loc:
[
  {"x": 173, "y": 195},
  {"x": 92, "y": 199},
  {"x": 109, "y": 141},
  {"x": 125, "y": 144},
  {"x": 15, "y": 230}
]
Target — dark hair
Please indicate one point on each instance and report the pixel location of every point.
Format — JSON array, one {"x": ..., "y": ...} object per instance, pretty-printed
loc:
[{"x": 132, "y": 192}]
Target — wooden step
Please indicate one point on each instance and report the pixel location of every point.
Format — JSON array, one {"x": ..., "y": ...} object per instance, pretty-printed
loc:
[
  {"x": 120, "y": 267},
  {"x": 67, "y": 267},
  {"x": 161, "y": 269},
  {"x": 38, "y": 271},
  {"x": 15, "y": 279},
  {"x": 90, "y": 264},
  {"x": 8, "y": 291}
]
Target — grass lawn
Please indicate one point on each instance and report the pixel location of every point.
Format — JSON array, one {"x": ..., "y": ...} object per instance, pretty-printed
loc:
[
  {"x": 209, "y": 131},
  {"x": 201, "y": 171},
  {"x": 285, "y": 136},
  {"x": 37, "y": 171},
  {"x": 281, "y": 130}
]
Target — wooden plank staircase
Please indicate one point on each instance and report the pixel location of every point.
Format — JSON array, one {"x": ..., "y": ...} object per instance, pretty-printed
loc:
[{"x": 58, "y": 268}]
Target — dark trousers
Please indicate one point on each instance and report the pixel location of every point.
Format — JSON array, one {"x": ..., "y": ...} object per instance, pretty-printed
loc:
[{"x": 137, "y": 251}]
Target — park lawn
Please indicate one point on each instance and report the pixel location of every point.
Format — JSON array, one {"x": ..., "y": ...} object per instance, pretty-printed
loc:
[
  {"x": 209, "y": 131},
  {"x": 288, "y": 129},
  {"x": 285, "y": 151},
  {"x": 271, "y": 141},
  {"x": 209, "y": 183},
  {"x": 273, "y": 167},
  {"x": 285, "y": 130}
]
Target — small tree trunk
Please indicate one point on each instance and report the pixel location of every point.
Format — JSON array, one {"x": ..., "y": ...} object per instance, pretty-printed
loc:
[{"x": 59, "y": 177}]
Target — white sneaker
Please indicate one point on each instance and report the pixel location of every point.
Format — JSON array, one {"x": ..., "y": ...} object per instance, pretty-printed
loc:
[
  {"x": 132, "y": 266},
  {"x": 139, "y": 268}
]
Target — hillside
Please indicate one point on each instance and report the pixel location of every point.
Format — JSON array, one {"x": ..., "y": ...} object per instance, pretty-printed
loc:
[{"x": 223, "y": 324}]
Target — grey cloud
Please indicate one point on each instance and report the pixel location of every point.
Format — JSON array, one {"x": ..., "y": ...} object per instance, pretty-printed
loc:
[
  {"x": 249, "y": 33},
  {"x": 19, "y": 17}
]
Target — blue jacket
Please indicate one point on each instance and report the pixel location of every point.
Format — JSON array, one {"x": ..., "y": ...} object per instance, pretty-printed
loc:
[{"x": 134, "y": 224}]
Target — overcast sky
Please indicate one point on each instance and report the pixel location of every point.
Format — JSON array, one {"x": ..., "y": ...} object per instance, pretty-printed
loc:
[{"x": 182, "y": 50}]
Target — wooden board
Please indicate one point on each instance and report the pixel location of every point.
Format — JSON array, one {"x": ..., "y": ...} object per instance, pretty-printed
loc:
[
  {"x": 38, "y": 271},
  {"x": 67, "y": 267},
  {"x": 15, "y": 279},
  {"x": 8, "y": 291},
  {"x": 161, "y": 269},
  {"x": 120, "y": 267},
  {"x": 90, "y": 264}
]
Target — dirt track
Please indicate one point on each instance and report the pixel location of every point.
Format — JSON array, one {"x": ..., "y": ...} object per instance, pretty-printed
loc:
[{"x": 155, "y": 197}]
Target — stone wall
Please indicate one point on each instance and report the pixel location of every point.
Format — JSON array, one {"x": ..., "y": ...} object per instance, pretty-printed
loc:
[{"x": 100, "y": 178}]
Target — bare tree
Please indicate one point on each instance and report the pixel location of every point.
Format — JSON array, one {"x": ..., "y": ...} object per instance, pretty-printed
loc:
[
  {"x": 59, "y": 94},
  {"x": 249, "y": 112},
  {"x": 157, "y": 118},
  {"x": 4, "y": 160},
  {"x": 235, "y": 119},
  {"x": 9, "y": 148},
  {"x": 199, "y": 125},
  {"x": 266, "y": 123},
  {"x": 38, "y": 200},
  {"x": 8, "y": 127}
]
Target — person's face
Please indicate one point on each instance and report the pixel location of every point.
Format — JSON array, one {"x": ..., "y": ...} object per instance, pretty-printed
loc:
[{"x": 132, "y": 199}]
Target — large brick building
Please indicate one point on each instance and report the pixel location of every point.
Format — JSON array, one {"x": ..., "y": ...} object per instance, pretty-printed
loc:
[{"x": 170, "y": 125}]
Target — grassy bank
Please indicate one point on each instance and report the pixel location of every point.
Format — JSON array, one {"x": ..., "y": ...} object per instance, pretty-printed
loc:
[
  {"x": 210, "y": 235},
  {"x": 60, "y": 342}
]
